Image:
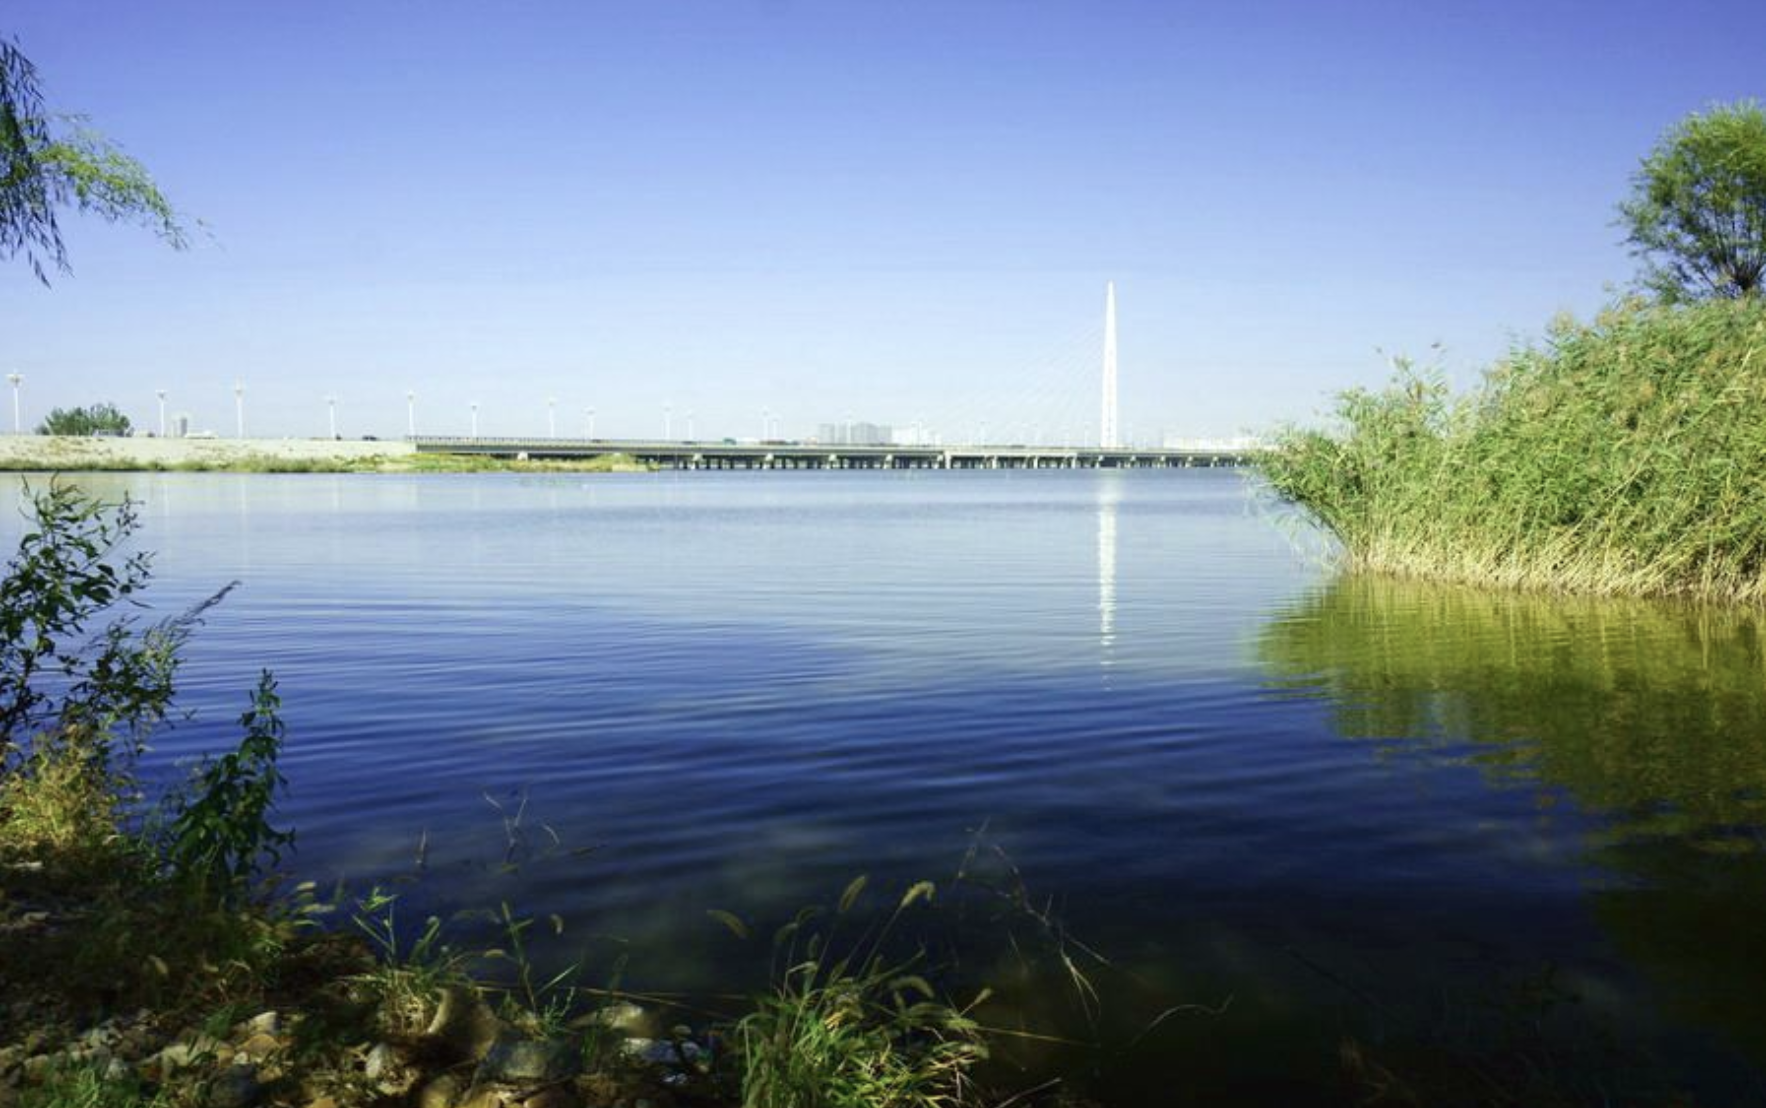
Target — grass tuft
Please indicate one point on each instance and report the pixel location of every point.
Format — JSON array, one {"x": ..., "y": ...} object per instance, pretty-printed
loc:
[{"x": 847, "y": 1027}]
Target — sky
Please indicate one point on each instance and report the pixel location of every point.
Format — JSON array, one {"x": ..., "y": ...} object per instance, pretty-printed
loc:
[{"x": 774, "y": 214}]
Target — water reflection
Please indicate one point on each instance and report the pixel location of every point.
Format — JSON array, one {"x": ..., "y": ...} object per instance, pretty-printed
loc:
[
  {"x": 1649, "y": 718},
  {"x": 1109, "y": 494}
]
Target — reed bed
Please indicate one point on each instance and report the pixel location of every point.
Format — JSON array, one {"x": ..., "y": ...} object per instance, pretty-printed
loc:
[{"x": 1625, "y": 456}]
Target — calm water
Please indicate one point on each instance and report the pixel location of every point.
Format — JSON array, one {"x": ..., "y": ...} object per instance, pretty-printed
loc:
[{"x": 1479, "y": 835}]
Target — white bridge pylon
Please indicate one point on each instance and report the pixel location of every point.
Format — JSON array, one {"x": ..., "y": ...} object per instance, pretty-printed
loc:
[{"x": 1107, "y": 436}]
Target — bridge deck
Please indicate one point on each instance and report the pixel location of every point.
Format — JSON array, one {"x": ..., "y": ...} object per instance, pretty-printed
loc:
[{"x": 801, "y": 455}]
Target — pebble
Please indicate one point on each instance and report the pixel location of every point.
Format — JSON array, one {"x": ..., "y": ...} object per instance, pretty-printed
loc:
[
  {"x": 382, "y": 1060},
  {"x": 464, "y": 1023},
  {"x": 189, "y": 1052},
  {"x": 554, "y": 1097},
  {"x": 443, "y": 1092},
  {"x": 622, "y": 1016},
  {"x": 237, "y": 1086},
  {"x": 260, "y": 1046},
  {"x": 663, "y": 1052},
  {"x": 515, "y": 1061}
]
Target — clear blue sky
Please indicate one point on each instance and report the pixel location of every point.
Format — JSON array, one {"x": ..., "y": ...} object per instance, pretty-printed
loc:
[{"x": 888, "y": 210}]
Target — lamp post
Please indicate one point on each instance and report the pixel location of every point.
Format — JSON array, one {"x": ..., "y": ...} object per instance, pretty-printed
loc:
[
  {"x": 475, "y": 419},
  {"x": 411, "y": 414},
  {"x": 668, "y": 422},
  {"x": 238, "y": 409},
  {"x": 590, "y": 412},
  {"x": 161, "y": 393},
  {"x": 766, "y": 424},
  {"x": 331, "y": 406},
  {"x": 689, "y": 425},
  {"x": 17, "y": 379},
  {"x": 551, "y": 417}
]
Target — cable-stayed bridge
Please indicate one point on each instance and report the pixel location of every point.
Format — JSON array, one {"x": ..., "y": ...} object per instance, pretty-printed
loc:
[
  {"x": 803, "y": 455},
  {"x": 1063, "y": 440}
]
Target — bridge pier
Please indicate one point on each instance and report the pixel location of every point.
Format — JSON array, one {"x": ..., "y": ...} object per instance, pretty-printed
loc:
[{"x": 801, "y": 456}]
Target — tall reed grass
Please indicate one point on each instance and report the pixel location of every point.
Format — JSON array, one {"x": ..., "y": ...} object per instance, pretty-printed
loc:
[{"x": 1622, "y": 456}]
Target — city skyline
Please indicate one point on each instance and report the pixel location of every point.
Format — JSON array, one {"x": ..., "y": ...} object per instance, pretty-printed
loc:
[{"x": 769, "y": 214}]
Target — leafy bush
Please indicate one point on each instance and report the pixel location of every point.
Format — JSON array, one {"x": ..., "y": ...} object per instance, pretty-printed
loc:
[
  {"x": 56, "y": 678},
  {"x": 221, "y": 835},
  {"x": 76, "y": 706}
]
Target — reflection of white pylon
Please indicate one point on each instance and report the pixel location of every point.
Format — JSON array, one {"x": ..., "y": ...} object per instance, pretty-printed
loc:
[
  {"x": 1107, "y": 425},
  {"x": 1108, "y": 494}
]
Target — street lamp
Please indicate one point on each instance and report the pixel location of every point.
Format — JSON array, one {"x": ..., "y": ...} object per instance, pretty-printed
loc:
[
  {"x": 239, "y": 409},
  {"x": 766, "y": 424},
  {"x": 161, "y": 393},
  {"x": 668, "y": 422},
  {"x": 551, "y": 417},
  {"x": 689, "y": 425},
  {"x": 590, "y": 412},
  {"x": 331, "y": 405},
  {"x": 475, "y": 419},
  {"x": 17, "y": 379},
  {"x": 411, "y": 414}
]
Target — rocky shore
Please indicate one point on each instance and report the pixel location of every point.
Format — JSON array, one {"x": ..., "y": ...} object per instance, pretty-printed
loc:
[{"x": 338, "y": 1048}]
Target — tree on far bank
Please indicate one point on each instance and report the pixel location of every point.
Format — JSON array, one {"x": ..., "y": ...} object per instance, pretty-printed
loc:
[
  {"x": 95, "y": 419},
  {"x": 50, "y": 162},
  {"x": 1697, "y": 211}
]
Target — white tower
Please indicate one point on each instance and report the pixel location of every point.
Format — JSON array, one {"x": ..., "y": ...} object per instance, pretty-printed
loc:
[{"x": 1107, "y": 423}]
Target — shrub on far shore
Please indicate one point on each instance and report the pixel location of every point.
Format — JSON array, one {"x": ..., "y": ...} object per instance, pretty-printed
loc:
[{"x": 1622, "y": 456}]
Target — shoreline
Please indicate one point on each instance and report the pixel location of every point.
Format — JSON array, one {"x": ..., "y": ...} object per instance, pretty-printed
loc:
[{"x": 142, "y": 454}]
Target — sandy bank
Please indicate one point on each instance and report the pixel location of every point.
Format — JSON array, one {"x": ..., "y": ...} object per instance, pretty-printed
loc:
[{"x": 63, "y": 452}]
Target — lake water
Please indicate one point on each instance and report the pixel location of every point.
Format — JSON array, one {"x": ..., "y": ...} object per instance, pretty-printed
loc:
[{"x": 1478, "y": 837}]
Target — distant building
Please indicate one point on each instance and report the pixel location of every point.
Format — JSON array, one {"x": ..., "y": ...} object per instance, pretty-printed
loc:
[
  {"x": 1235, "y": 444},
  {"x": 181, "y": 426},
  {"x": 855, "y": 434}
]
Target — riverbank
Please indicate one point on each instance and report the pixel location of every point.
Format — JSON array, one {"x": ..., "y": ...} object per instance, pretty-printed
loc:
[
  {"x": 1619, "y": 457},
  {"x": 130, "y": 982},
  {"x": 126, "y": 989},
  {"x": 69, "y": 454}
]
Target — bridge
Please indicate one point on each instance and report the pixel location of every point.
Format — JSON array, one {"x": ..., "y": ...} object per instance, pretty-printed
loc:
[
  {"x": 670, "y": 454},
  {"x": 772, "y": 451}
]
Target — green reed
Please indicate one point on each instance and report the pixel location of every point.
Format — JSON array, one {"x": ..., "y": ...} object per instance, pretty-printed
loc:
[
  {"x": 1622, "y": 456},
  {"x": 847, "y": 1026}
]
